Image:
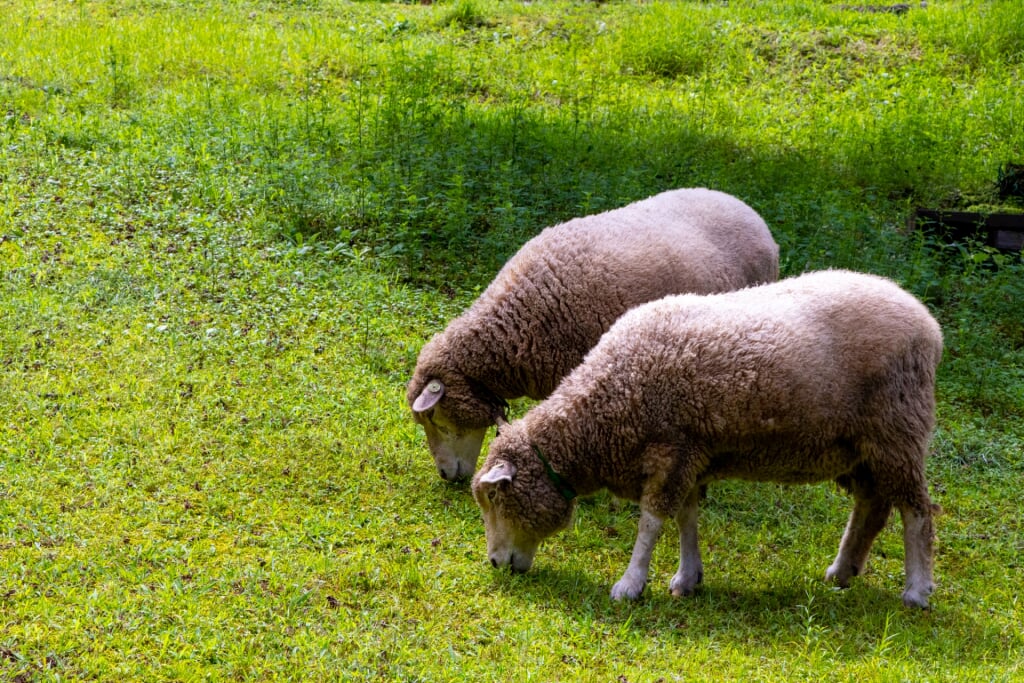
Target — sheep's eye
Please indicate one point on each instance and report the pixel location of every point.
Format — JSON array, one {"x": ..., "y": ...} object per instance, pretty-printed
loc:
[
  {"x": 440, "y": 428},
  {"x": 491, "y": 494}
]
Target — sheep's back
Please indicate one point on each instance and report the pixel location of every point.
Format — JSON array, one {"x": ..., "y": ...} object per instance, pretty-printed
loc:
[
  {"x": 803, "y": 359},
  {"x": 554, "y": 298}
]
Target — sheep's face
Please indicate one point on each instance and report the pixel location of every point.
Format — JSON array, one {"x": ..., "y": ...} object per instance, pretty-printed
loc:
[
  {"x": 455, "y": 422},
  {"x": 521, "y": 507}
]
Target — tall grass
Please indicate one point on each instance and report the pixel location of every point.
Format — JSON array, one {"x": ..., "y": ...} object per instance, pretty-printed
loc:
[{"x": 373, "y": 121}]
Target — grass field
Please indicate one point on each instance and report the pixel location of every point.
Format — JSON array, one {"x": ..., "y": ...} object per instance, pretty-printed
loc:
[{"x": 226, "y": 228}]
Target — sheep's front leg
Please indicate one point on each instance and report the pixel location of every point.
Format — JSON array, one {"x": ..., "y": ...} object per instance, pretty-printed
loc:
[
  {"x": 632, "y": 583},
  {"x": 691, "y": 567}
]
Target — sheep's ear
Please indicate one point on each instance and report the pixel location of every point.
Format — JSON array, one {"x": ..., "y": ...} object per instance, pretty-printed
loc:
[
  {"x": 502, "y": 471},
  {"x": 429, "y": 397}
]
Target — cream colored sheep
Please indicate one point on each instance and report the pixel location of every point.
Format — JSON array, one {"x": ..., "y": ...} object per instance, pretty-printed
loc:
[
  {"x": 825, "y": 376},
  {"x": 554, "y": 299}
]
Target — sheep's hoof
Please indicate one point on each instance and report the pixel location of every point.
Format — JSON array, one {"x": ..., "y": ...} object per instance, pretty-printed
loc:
[
  {"x": 684, "y": 586},
  {"x": 840, "y": 575},
  {"x": 627, "y": 590},
  {"x": 917, "y": 598}
]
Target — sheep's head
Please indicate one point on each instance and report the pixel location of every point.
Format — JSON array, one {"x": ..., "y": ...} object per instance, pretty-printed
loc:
[
  {"x": 521, "y": 503},
  {"x": 455, "y": 419}
]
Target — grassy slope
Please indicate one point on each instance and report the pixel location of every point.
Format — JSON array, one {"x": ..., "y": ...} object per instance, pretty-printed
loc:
[{"x": 225, "y": 232}]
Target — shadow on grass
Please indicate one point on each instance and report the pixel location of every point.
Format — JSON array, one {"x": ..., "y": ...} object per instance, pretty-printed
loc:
[
  {"x": 443, "y": 193},
  {"x": 766, "y": 617}
]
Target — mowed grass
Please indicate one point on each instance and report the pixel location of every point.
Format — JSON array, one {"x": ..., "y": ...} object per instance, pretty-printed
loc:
[{"x": 227, "y": 228}]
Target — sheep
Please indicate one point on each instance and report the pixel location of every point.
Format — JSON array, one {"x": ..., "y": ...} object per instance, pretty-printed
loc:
[
  {"x": 829, "y": 375},
  {"x": 554, "y": 299}
]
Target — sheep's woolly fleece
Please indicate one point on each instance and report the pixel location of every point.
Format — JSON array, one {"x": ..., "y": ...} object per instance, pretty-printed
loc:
[
  {"x": 825, "y": 376},
  {"x": 554, "y": 299}
]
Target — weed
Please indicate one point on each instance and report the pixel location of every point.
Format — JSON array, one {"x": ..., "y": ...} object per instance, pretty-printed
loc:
[
  {"x": 667, "y": 41},
  {"x": 465, "y": 14}
]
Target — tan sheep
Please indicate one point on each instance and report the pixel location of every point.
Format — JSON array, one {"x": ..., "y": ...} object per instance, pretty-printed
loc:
[
  {"x": 554, "y": 299},
  {"x": 829, "y": 375}
]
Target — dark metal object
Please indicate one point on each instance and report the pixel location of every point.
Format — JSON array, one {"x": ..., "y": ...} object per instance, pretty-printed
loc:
[{"x": 1004, "y": 231}]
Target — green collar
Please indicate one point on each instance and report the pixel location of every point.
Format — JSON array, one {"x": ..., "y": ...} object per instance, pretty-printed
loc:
[{"x": 564, "y": 487}]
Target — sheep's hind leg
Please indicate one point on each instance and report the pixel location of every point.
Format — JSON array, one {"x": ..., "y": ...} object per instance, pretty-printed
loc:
[
  {"x": 918, "y": 536},
  {"x": 866, "y": 521},
  {"x": 691, "y": 568},
  {"x": 632, "y": 583}
]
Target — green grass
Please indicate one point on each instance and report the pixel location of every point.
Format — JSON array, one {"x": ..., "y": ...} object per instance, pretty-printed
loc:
[{"x": 227, "y": 228}]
